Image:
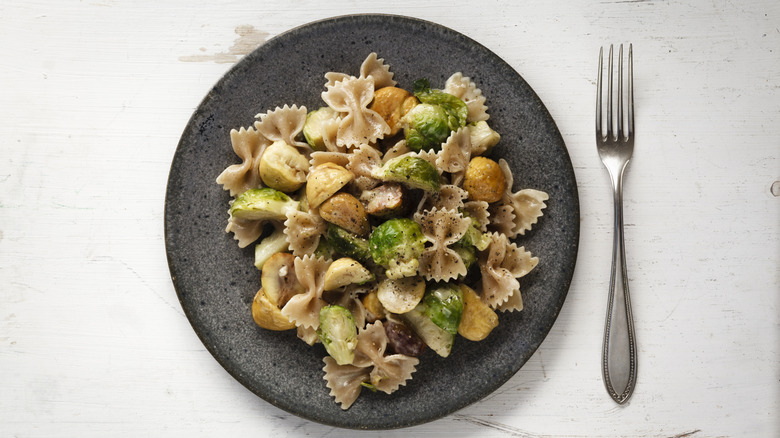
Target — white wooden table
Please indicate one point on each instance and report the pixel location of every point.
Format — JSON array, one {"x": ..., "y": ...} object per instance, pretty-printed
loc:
[{"x": 94, "y": 96}]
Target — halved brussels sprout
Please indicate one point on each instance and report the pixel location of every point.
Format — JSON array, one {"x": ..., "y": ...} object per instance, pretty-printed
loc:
[
  {"x": 467, "y": 253},
  {"x": 339, "y": 242},
  {"x": 456, "y": 109},
  {"x": 444, "y": 305},
  {"x": 478, "y": 318},
  {"x": 276, "y": 242},
  {"x": 396, "y": 245},
  {"x": 401, "y": 295},
  {"x": 345, "y": 271},
  {"x": 267, "y": 315},
  {"x": 312, "y": 128},
  {"x": 265, "y": 203},
  {"x": 435, "y": 337},
  {"x": 475, "y": 238},
  {"x": 414, "y": 172},
  {"x": 324, "y": 181},
  {"x": 345, "y": 211},
  {"x": 483, "y": 138},
  {"x": 426, "y": 127},
  {"x": 282, "y": 167},
  {"x": 484, "y": 180},
  {"x": 338, "y": 333}
]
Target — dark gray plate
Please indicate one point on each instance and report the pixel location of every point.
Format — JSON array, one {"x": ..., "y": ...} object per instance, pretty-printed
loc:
[{"x": 216, "y": 281}]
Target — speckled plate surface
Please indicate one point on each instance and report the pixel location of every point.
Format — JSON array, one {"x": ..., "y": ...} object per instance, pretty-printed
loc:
[{"x": 216, "y": 281}]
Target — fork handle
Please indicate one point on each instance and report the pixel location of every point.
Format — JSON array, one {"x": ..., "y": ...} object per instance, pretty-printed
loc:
[{"x": 619, "y": 355}]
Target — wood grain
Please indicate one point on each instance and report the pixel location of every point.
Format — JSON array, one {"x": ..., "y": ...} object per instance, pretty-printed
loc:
[{"x": 94, "y": 97}]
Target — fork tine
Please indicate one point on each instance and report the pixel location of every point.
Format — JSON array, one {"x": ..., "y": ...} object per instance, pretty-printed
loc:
[
  {"x": 620, "y": 134},
  {"x": 630, "y": 90},
  {"x": 609, "y": 95},
  {"x": 598, "y": 95}
]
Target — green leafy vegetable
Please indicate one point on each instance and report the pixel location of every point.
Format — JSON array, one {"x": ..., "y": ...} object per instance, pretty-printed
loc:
[
  {"x": 444, "y": 305},
  {"x": 414, "y": 172},
  {"x": 265, "y": 203},
  {"x": 338, "y": 333},
  {"x": 396, "y": 245},
  {"x": 456, "y": 109}
]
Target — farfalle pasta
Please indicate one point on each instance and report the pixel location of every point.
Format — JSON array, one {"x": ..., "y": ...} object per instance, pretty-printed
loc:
[
  {"x": 384, "y": 232},
  {"x": 360, "y": 125},
  {"x": 443, "y": 228},
  {"x": 465, "y": 89},
  {"x": 248, "y": 145}
]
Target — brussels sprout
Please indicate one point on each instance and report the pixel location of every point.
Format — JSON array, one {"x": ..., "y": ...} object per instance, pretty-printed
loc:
[
  {"x": 475, "y": 238},
  {"x": 338, "y": 333},
  {"x": 483, "y": 138},
  {"x": 414, "y": 172},
  {"x": 340, "y": 242},
  {"x": 444, "y": 305},
  {"x": 456, "y": 109},
  {"x": 282, "y": 167},
  {"x": 396, "y": 245},
  {"x": 312, "y": 128},
  {"x": 345, "y": 271},
  {"x": 276, "y": 242},
  {"x": 467, "y": 253},
  {"x": 471, "y": 241},
  {"x": 437, "y": 339},
  {"x": 265, "y": 203},
  {"x": 425, "y": 127}
]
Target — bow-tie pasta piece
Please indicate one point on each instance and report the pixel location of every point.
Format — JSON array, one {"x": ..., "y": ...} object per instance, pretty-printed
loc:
[
  {"x": 501, "y": 264},
  {"x": 523, "y": 207},
  {"x": 443, "y": 228},
  {"x": 249, "y": 145},
  {"x": 464, "y": 88},
  {"x": 449, "y": 197},
  {"x": 303, "y": 231},
  {"x": 455, "y": 154},
  {"x": 284, "y": 124},
  {"x": 360, "y": 125},
  {"x": 376, "y": 69},
  {"x": 304, "y": 309},
  {"x": 370, "y": 367}
]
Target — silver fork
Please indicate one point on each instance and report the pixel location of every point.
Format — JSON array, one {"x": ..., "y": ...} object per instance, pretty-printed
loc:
[{"x": 619, "y": 355}]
